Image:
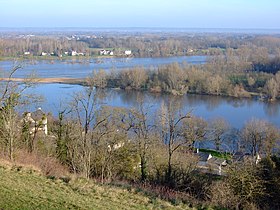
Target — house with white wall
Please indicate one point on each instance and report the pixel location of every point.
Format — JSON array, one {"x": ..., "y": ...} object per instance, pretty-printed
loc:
[
  {"x": 127, "y": 52},
  {"x": 37, "y": 121}
]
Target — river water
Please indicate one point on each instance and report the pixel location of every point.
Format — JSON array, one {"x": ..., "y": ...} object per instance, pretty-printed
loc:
[
  {"x": 82, "y": 68},
  {"x": 236, "y": 111}
]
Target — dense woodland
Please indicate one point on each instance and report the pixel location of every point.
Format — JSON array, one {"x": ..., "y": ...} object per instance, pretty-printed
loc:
[{"x": 109, "y": 144}]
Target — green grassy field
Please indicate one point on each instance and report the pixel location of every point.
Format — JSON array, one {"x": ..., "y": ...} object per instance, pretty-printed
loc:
[{"x": 23, "y": 188}]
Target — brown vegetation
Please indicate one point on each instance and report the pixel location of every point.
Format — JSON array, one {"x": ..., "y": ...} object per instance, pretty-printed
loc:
[{"x": 47, "y": 80}]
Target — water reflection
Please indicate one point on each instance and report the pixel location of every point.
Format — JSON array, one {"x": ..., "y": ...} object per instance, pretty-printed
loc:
[
  {"x": 236, "y": 111},
  {"x": 271, "y": 109}
]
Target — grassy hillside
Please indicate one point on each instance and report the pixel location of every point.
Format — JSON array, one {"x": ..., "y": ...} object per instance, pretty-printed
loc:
[{"x": 23, "y": 188}]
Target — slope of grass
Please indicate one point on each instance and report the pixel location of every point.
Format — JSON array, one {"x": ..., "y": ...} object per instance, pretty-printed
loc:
[{"x": 23, "y": 188}]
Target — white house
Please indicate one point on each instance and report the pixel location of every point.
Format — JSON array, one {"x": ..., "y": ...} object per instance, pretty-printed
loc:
[
  {"x": 27, "y": 53},
  {"x": 44, "y": 54},
  {"x": 127, "y": 52},
  {"x": 74, "y": 53},
  {"x": 37, "y": 120},
  {"x": 106, "y": 52},
  {"x": 115, "y": 146},
  {"x": 190, "y": 50},
  {"x": 210, "y": 164}
]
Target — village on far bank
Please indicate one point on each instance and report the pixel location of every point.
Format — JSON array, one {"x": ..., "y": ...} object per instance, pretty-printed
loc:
[{"x": 74, "y": 53}]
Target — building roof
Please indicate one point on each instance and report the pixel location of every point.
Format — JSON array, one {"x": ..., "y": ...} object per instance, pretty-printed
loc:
[
  {"x": 203, "y": 156},
  {"x": 37, "y": 115}
]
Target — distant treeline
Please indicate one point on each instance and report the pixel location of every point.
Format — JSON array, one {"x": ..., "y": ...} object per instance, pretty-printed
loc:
[{"x": 142, "y": 45}]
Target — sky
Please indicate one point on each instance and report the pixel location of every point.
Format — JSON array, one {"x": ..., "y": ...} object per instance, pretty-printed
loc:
[{"x": 247, "y": 14}]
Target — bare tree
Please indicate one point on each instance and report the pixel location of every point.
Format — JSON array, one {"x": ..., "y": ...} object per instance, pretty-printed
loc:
[
  {"x": 171, "y": 128},
  {"x": 195, "y": 129},
  {"x": 173, "y": 78},
  {"x": 259, "y": 137},
  {"x": 143, "y": 128},
  {"x": 272, "y": 88},
  {"x": 215, "y": 84},
  {"x": 98, "y": 79},
  {"x": 9, "y": 123},
  {"x": 8, "y": 87},
  {"x": 134, "y": 78},
  {"x": 272, "y": 141},
  {"x": 108, "y": 139},
  {"x": 11, "y": 97},
  {"x": 85, "y": 108},
  {"x": 218, "y": 128}
]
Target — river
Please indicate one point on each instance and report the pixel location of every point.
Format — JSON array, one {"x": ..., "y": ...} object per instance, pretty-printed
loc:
[
  {"x": 57, "y": 96},
  {"x": 82, "y": 68},
  {"x": 236, "y": 111}
]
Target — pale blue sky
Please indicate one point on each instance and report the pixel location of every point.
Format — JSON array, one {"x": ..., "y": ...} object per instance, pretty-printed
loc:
[{"x": 141, "y": 13}]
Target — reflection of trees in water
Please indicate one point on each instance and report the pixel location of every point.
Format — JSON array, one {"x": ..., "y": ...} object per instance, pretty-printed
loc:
[
  {"x": 187, "y": 102},
  {"x": 212, "y": 102},
  {"x": 192, "y": 100},
  {"x": 240, "y": 102},
  {"x": 130, "y": 97},
  {"x": 236, "y": 102},
  {"x": 102, "y": 94},
  {"x": 271, "y": 109}
]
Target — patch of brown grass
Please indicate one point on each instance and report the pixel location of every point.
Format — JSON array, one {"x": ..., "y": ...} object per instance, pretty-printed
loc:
[{"x": 47, "y": 166}]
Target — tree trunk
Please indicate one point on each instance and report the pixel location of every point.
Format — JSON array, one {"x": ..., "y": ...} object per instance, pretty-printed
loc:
[
  {"x": 143, "y": 168},
  {"x": 11, "y": 147},
  {"x": 169, "y": 169}
]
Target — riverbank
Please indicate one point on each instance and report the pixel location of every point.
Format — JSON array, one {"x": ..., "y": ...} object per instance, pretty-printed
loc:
[
  {"x": 65, "y": 58},
  {"x": 82, "y": 81},
  {"x": 48, "y": 80}
]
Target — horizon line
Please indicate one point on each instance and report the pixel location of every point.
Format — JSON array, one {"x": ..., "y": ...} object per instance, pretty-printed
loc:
[{"x": 136, "y": 27}]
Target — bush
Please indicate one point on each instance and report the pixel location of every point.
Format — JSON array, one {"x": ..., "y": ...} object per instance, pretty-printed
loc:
[{"x": 49, "y": 166}]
